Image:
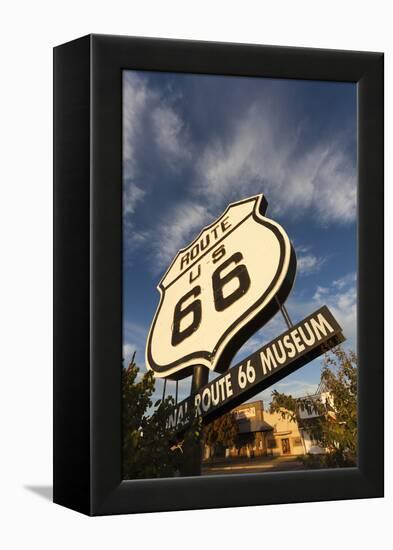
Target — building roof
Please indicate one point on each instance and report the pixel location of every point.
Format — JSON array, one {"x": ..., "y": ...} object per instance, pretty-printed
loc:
[{"x": 249, "y": 425}]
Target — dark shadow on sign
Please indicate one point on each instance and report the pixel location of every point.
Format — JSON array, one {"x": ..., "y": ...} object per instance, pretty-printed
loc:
[{"x": 44, "y": 491}]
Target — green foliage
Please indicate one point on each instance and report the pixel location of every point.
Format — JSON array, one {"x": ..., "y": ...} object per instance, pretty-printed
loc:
[
  {"x": 332, "y": 459},
  {"x": 150, "y": 449},
  {"x": 222, "y": 433},
  {"x": 334, "y": 425},
  {"x": 286, "y": 405}
]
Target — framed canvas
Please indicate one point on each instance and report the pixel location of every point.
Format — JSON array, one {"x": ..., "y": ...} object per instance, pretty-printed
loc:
[{"x": 218, "y": 275}]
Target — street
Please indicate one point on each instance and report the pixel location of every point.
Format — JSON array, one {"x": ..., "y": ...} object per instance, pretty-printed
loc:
[{"x": 253, "y": 465}]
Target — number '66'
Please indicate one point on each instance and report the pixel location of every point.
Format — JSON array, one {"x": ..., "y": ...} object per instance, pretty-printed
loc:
[
  {"x": 221, "y": 302},
  {"x": 247, "y": 376}
]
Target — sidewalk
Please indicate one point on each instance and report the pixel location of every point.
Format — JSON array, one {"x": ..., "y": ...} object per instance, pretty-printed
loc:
[{"x": 253, "y": 465}]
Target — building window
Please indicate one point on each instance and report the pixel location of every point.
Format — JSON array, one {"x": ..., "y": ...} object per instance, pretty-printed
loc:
[{"x": 286, "y": 449}]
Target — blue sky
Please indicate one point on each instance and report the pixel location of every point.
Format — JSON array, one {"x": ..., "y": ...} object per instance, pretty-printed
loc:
[{"x": 194, "y": 143}]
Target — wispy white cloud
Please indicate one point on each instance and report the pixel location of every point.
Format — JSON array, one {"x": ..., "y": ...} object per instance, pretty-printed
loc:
[
  {"x": 150, "y": 121},
  {"x": 344, "y": 282},
  {"x": 335, "y": 187},
  {"x": 135, "y": 100},
  {"x": 340, "y": 297},
  {"x": 170, "y": 133},
  {"x": 307, "y": 262},
  {"x": 150, "y": 118},
  {"x": 134, "y": 339},
  {"x": 262, "y": 150},
  {"x": 131, "y": 196},
  {"x": 179, "y": 227},
  {"x": 262, "y": 153}
]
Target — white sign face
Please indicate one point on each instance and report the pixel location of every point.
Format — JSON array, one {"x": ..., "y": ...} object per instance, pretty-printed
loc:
[{"x": 219, "y": 290}]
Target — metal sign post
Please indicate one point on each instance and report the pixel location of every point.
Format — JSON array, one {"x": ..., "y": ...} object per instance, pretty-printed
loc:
[{"x": 199, "y": 379}]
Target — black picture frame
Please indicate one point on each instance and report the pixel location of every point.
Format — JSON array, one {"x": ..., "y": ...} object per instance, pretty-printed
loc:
[{"x": 88, "y": 274}]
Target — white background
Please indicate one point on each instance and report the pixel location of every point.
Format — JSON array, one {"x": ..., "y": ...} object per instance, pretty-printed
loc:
[{"x": 29, "y": 30}]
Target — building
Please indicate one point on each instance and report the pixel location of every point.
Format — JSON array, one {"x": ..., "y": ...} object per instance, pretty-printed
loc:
[{"x": 262, "y": 433}]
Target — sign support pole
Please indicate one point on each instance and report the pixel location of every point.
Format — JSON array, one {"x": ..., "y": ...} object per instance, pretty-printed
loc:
[
  {"x": 289, "y": 324},
  {"x": 285, "y": 314},
  {"x": 200, "y": 378}
]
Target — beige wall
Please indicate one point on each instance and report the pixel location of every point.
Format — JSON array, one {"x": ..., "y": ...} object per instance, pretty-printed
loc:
[{"x": 286, "y": 430}]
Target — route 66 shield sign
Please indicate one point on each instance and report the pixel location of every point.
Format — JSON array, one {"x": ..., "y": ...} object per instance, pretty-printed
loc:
[{"x": 219, "y": 290}]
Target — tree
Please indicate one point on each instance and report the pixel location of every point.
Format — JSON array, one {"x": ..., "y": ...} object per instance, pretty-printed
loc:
[
  {"x": 221, "y": 433},
  {"x": 150, "y": 448},
  {"x": 334, "y": 425}
]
